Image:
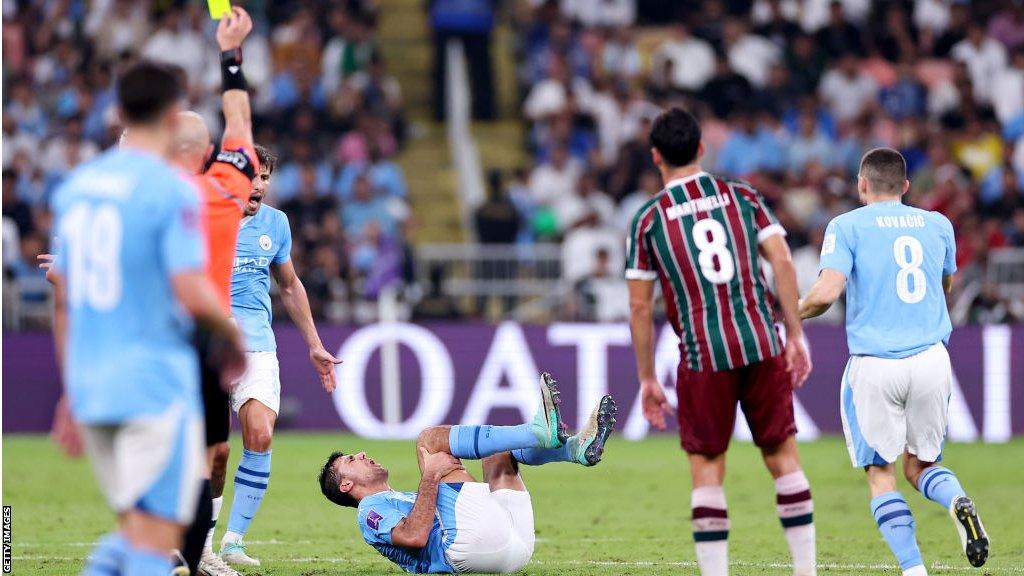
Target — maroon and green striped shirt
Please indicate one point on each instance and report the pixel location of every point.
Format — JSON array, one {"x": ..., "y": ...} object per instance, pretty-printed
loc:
[{"x": 699, "y": 237}]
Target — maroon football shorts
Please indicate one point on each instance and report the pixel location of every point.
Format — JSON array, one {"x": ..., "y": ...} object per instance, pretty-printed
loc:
[{"x": 707, "y": 405}]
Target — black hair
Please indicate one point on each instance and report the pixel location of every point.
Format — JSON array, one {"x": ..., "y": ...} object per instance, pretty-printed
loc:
[
  {"x": 885, "y": 170},
  {"x": 145, "y": 90},
  {"x": 329, "y": 481},
  {"x": 676, "y": 136},
  {"x": 266, "y": 157}
]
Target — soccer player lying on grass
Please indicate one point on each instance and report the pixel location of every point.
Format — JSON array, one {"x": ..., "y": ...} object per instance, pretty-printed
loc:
[{"x": 454, "y": 523}]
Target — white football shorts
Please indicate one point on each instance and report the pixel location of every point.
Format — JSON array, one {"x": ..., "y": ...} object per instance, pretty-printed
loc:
[
  {"x": 153, "y": 464},
  {"x": 889, "y": 405},
  {"x": 494, "y": 530},
  {"x": 261, "y": 381}
]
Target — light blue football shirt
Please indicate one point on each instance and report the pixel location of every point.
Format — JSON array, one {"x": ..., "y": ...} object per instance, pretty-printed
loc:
[
  {"x": 894, "y": 257},
  {"x": 126, "y": 223},
  {"x": 380, "y": 513},
  {"x": 263, "y": 239}
]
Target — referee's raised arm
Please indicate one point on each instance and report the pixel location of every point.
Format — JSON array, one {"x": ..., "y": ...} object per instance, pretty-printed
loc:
[{"x": 231, "y": 32}]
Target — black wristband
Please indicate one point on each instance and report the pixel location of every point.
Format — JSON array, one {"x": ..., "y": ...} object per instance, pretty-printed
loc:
[{"x": 231, "y": 74}]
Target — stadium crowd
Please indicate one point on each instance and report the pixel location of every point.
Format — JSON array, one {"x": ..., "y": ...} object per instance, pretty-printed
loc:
[
  {"x": 790, "y": 94},
  {"x": 324, "y": 103}
]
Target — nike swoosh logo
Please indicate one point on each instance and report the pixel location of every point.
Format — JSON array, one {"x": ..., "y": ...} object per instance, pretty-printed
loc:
[{"x": 246, "y": 517}]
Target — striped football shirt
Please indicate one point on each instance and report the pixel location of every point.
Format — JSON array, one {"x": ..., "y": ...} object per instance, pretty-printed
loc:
[{"x": 699, "y": 238}]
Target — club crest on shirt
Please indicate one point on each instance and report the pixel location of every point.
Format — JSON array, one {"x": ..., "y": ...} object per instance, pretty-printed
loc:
[
  {"x": 265, "y": 242},
  {"x": 373, "y": 520}
]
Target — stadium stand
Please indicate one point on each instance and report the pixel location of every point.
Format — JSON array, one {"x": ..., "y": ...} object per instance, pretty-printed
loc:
[{"x": 790, "y": 93}]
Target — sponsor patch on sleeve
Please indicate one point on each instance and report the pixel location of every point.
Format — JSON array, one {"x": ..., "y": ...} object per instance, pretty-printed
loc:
[
  {"x": 239, "y": 159},
  {"x": 828, "y": 245},
  {"x": 373, "y": 520}
]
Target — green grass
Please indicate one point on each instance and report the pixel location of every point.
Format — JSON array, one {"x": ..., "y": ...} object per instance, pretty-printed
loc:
[{"x": 627, "y": 516}]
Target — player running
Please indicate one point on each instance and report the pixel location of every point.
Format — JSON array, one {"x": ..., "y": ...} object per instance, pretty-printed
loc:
[
  {"x": 130, "y": 262},
  {"x": 897, "y": 264},
  {"x": 700, "y": 238},
  {"x": 225, "y": 187},
  {"x": 264, "y": 248},
  {"x": 454, "y": 523}
]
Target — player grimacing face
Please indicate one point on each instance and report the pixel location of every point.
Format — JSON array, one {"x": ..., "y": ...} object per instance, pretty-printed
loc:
[
  {"x": 360, "y": 469},
  {"x": 259, "y": 190}
]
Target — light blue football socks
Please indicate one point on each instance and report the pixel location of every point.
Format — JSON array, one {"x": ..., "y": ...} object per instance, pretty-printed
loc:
[
  {"x": 107, "y": 557},
  {"x": 250, "y": 485},
  {"x": 540, "y": 456},
  {"x": 146, "y": 563},
  {"x": 476, "y": 442},
  {"x": 896, "y": 523},
  {"x": 940, "y": 485}
]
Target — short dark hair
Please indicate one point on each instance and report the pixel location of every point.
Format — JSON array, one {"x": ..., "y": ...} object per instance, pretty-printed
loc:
[
  {"x": 676, "y": 136},
  {"x": 329, "y": 481},
  {"x": 266, "y": 157},
  {"x": 885, "y": 170},
  {"x": 145, "y": 90}
]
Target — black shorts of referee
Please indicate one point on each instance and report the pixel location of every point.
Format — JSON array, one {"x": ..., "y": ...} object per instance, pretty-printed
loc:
[{"x": 216, "y": 402}]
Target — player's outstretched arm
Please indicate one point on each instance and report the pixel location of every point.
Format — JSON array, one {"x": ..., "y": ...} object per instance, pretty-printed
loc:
[
  {"x": 296, "y": 302},
  {"x": 798, "y": 360},
  {"x": 231, "y": 32},
  {"x": 414, "y": 530},
  {"x": 823, "y": 294},
  {"x": 641, "y": 325}
]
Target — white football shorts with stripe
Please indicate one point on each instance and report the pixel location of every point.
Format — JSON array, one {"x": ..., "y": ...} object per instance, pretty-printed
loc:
[{"x": 889, "y": 405}]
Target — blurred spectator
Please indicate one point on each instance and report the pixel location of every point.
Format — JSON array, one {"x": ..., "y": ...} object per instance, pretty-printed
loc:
[
  {"x": 727, "y": 90},
  {"x": 750, "y": 55},
  {"x": 906, "y": 98},
  {"x": 1007, "y": 25},
  {"x": 469, "y": 23},
  {"x": 650, "y": 185},
  {"x": 587, "y": 205},
  {"x": 604, "y": 296},
  {"x": 367, "y": 206},
  {"x": 750, "y": 148},
  {"x": 847, "y": 90},
  {"x": 839, "y": 37},
  {"x": 955, "y": 31},
  {"x": 497, "y": 220},
  {"x": 985, "y": 58},
  {"x": 692, "y": 59},
  {"x": 555, "y": 177},
  {"x": 806, "y": 64},
  {"x": 1008, "y": 91},
  {"x": 809, "y": 145},
  {"x": 307, "y": 209},
  {"x": 17, "y": 210}
]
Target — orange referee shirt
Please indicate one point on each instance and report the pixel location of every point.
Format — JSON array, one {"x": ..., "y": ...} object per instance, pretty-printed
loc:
[{"x": 225, "y": 187}]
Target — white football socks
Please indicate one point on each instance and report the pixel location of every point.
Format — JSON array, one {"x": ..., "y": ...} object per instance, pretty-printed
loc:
[
  {"x": 217, "y": 503},
  {"x": 796, "y": 512},
  {"x": 710, "y": 530}
]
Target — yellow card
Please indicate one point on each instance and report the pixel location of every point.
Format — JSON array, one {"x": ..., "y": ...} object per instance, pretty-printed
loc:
[{"x": 218, "y": 8}]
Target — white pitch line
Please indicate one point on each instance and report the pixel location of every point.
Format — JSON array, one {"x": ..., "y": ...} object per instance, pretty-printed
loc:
[{"x": 938, "y": 567}]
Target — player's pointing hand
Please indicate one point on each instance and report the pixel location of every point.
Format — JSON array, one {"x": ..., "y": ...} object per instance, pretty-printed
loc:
[{"x": 324, "y": 362}]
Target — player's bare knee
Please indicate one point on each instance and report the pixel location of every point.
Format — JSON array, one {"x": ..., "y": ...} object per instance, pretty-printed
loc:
[
  {"x": 434, "y": 439},
  {"x": 259, "y": 439}
]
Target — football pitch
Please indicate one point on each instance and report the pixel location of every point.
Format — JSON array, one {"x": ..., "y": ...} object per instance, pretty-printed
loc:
[{"x": 629, "y": 515}]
